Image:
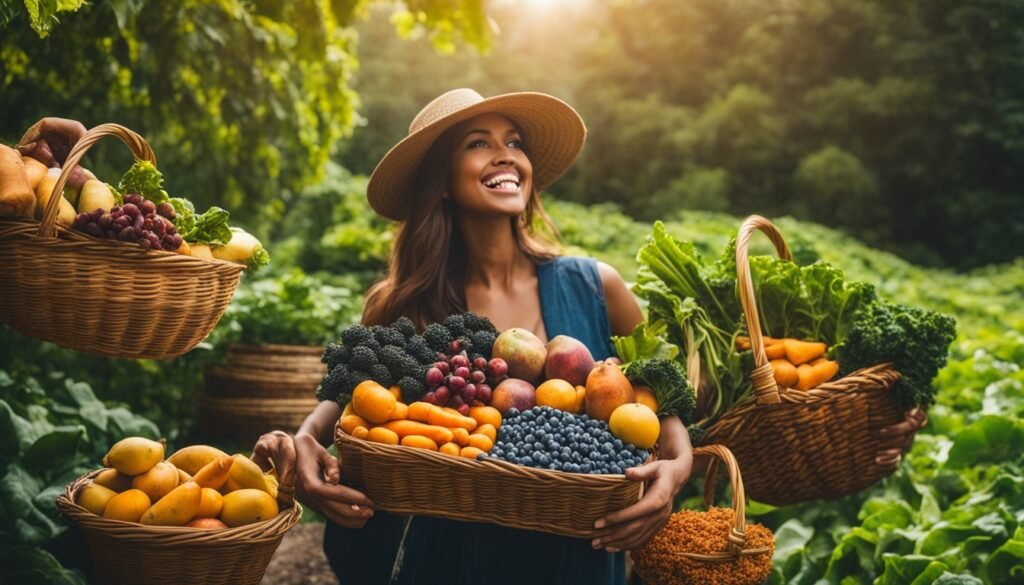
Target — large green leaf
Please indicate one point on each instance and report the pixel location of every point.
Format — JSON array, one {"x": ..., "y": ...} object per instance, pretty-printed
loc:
[
  {"x": 990, "y": 439},
  {"x": 1006, "y": 565}
]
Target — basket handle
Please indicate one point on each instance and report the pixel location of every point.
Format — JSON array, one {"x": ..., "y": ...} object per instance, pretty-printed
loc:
[
  {"x": 138, "y": 145},
  {"x": 766, "y": 390},
  {"x": 721, "y": 453}
]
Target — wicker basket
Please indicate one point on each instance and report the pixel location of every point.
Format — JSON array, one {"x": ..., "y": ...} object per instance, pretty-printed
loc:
[
  {"x": 260, "y": 388},
  {"x": 107, "y": 297},
  {"x": 795, "y": 445},
  {"x": 671, "y": 567},
  {"x": 126, "y": 553},
  {"x": 398, "y": 479}
]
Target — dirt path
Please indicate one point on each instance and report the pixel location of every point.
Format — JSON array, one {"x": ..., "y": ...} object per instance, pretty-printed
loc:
[{"x": 300, "y": 559}]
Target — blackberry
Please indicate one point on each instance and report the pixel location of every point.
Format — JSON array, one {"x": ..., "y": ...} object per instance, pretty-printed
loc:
[
  {"x": 412, "y": 389},
  {"x": 417, "y": 347},
  {"x": 363, "y": 358},
  {"x": 355, "y": 335},
  {"x": 455, "y": 325},
  {"x": 475, "y": 322},
  {"x": 381, "y": 375},
  {"x": 405, "y": 326},
  {"x": 437, "y": 337},
  {"x": 389, "y": 336}
]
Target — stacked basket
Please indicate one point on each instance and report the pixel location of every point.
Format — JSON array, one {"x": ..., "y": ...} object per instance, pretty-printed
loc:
[{"x": 107, "y": 297}]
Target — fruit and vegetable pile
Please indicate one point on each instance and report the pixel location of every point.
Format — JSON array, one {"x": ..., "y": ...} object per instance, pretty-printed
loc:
[
  {"x": 817, "y": 325},
  {"x": 138, "y": 210},
  {"x": 198, "y": 486},
  {"x": 461, "y": 388}
]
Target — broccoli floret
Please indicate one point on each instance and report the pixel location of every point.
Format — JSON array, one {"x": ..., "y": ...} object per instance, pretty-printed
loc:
[
  {"x": 417, "y": 347},
  {"x": 476, "y": 322},
  {"x": 339, "y": 382},
  {"x": 393, "y": 357},
  {"x": 455, "y": 325},
  {"x": 483, "y": 342},
  {"x": 335, "y": 354},
  {"x": 696, "y": 435},
  {"x": 355, "y": 335},
  {"x": 381, "y": 375},
  {"x": 405, "y": 326},
  {"x": 667, "y": 380},
  {"x": 372, "y": 344},
  {"x": 412, "y": 389},
  {"x": 437, "y": 337},
  {"x": 916, "y": 341},
  {"x": 363, "y": 358}
]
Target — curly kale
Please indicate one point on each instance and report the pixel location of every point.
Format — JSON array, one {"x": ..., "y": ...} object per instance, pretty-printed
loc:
[
  {"x": 915, "y": 340},
  {"x": 696, "y": 434},
  {"x": 667, "y": 380},
  {"x": 437, "y": 337}
]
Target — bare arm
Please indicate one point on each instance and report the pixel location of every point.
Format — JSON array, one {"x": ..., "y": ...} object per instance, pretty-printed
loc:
[
  {"x": 623, "y": 311},
  {"x": 320, "y": 423}
]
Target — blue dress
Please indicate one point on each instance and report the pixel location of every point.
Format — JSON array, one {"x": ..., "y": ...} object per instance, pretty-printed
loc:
[{"x": 441, "y": 551}]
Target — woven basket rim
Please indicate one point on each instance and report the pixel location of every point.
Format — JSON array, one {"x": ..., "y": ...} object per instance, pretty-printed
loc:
[{"x": 170, "y": 535}]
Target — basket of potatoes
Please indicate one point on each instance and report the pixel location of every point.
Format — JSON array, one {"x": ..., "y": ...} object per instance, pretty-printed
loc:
[{"x": 198, "y": 516}]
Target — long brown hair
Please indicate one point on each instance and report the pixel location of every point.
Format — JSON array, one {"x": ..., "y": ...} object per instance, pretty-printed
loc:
[{"x": 426, "y": 278}]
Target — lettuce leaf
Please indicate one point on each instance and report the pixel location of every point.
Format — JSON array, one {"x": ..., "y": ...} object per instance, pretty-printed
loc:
[
  {"x": 209, "y": 228},
  {"x": 143, "y": 178}
]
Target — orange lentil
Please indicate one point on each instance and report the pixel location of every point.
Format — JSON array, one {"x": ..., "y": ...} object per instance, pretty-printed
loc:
[{"x": 689, "y": 531}]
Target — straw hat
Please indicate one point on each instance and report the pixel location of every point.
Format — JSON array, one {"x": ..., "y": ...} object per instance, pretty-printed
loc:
[{"x": 552, "y": 131}]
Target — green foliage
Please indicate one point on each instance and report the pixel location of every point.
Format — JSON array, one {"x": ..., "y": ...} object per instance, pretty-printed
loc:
[
  {"x": 243, "y": 102},
  {"x": 667, "y": 380},
  {"x": 41, "y": 14},
  {"x": 53, "y": 431}
]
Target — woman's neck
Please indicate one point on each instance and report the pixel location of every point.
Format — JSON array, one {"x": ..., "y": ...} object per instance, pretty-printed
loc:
[{"x": 494, "y": 260}]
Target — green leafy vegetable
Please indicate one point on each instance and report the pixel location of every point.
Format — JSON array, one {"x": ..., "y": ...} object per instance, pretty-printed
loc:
[
  {"x": 184, "y": 215},
  {"x": 210, "y": 228},
  {"x": 667, "y": 380},
  {"x": 144, "y": 178}
]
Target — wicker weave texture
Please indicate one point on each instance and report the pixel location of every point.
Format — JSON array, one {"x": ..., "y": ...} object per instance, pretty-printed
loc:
[
  {"x": 107, "y": 297},
  {"x": 796, "y": 446},
  {"x": 132, "y": 554},
  {"x": 406, "y": 480}
]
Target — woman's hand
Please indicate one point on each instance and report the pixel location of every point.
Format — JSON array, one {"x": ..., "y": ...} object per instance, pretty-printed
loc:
[
  {"x": 632, "y": 527},
  {"x": 317, "y": 477},
  {"x": 50, "y": 140},
  {"x": 901, "y": 435}
]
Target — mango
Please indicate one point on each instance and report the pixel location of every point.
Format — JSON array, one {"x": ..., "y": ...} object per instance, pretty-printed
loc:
[
  {"x": 210, "y": 503},
  {"x": 176, "y": 508},
  {"x": 244, "y": 474},
  {"x": 157, "y": 482},
  {"x": 94, "y": 497},
  {"x": 247, "y": 506},
  {"x": 607, "y": 389},
  {"x": 215, "y": 473},
  {"x": 66, "y": 212},
  {"x": 112, "y": 479},
  {"x": 128, "y": 506},
  {"x": 95, "y": 195},
  {"x": 192, "y": 458},
  {"x": 134, "y": 455}
]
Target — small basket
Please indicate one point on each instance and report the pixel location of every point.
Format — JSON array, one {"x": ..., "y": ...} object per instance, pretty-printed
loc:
[
  {"x": 397, "y": 479},
  {"x": 796, "y": 445},
  {"x": 107, "y": 297},
  {"x": 126, "y": 553},
  {"x": 658, "y": 563}
]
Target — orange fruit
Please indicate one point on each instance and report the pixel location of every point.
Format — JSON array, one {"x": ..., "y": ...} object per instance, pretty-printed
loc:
[
  {"x": 485, "y": 415},
  {"x": 557, "y": 394},
  {"x": 373, "y": 402},
  {"x": 635, "y": 424},
  {"x": 361, "y": 432},
  {"x": 581, "y": 395},
  {"x": 646, "y": 397}
]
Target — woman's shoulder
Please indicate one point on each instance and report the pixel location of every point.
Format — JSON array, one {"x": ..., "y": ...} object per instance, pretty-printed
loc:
[{"x": 586, "y": 265}]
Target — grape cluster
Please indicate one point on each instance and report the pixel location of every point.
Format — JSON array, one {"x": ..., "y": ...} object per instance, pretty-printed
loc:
[
  {"x": 456, "y": 381},
  {"x": 138, "y": 220},
  {"x": 548, "y": 438}
]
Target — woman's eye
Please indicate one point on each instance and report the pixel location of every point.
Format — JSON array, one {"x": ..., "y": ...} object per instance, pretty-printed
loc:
[
  {"x": 477, "y": 143},
  {"x": 516, "y": 144}
]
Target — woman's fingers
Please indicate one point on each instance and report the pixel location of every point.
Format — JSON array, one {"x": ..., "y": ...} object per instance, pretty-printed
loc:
[
  {"x": 634, "y": 534},
  {"x": 332, "y": 469}
]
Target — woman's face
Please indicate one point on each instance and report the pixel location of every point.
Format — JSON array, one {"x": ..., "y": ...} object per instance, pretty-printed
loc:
[{"x": 491, "y": 174}]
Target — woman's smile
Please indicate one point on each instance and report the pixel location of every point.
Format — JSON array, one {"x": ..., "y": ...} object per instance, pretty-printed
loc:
[{"x": 504, "y": 182}]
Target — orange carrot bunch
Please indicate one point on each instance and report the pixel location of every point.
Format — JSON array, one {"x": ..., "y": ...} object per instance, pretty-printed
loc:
[{"x": 797, "y": 364}]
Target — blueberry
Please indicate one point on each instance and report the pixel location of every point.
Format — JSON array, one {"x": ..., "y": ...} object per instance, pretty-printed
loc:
[
  {"x": 555, "y": 466},
  {"x": 540, "y": 434},
  {"x": 528, "y": 415},
  {"x": 615, "y": 468},
  {"x": 512, "y": 412},
  {"x": 527, "y": 461},
  {"x": 617, "y": 443},
  {"x": 544, "y": 460}
]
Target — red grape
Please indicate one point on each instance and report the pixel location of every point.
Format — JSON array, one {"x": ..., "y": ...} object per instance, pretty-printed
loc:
[
  {"x": 455, "y": 346},
  {"x": 480, "y": 363},
  {"x": 443, "y": 366},
  {"x": 430, "y": 397},
  {"x": 463, "y": 409},
  {"x": 166, "y": 209},
  {"x": 442, "y": 394},
  {"x": 456, "y": 383},
  {"x": 434, "y": 377},
  {"x": 497, "y": 368},
  {"x": 469, "y": 392},
  {"x": 478, "y": 377},
  {"x": 147, "y": 207},
  {"x": 462, "y": 372},
  {"x": 459, "y": 361},
  {"x": 483, "y": 393}
]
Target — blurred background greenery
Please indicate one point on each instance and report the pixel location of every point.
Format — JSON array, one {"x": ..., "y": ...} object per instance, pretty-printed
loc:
[{"x": 887, "y": 137}]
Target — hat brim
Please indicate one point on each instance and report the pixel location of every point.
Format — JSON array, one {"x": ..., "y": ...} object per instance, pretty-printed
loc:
[{"x": 554, "y": 134}]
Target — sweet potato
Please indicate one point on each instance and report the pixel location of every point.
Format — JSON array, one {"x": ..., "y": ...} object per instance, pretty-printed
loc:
[
  {"x": 16, "y": 195},
  {"x": 786, "y": 374},
  {"x": 404, "y": 428},
  {"x": 800, "y": 352},
  {"x": 419, "y": 441}
]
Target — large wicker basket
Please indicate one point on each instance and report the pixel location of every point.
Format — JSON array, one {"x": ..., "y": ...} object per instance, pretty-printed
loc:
[
  {"x": 107, "y": 297},
  {"x": 399, "y": 479},
  {"x": 668, "y": 566},
  {"x": 260, "y": 388},
  {"x": 126, "y": 553},
  {"x": 795, "y": 445}
]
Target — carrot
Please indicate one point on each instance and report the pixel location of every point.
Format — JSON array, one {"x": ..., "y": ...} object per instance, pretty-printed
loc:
[
  {"x": 442, "y": 418},
  {"x": 482, "y": 442},
  {"x": 800, "y": 352},
  {"x": 450, "y": 449},
  {"x": 817, "y": 373},
  {"x": 401, "y": 412},
  {"x": 420, "y": 411},
  {"x": 419, "y": 441},
  {"x": 487, "y": 430},
  {"x": 404, "y": 428},
  {"x": 786, "y": 374},
  {"x": 775, "y": 351},
  {"x": 383, "y": 435},
  {"x": 742, "y": 343},
  {"x": 16, "y": 195},
  {"x": 461, "y": 436},
  {"x": 351, "y": 421},
  {"x": 470, "y": 452}
]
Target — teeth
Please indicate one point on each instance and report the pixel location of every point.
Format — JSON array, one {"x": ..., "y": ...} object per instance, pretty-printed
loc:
[
  {"x": 508, "y": 186},
  {"x": 502, "y": 181}
]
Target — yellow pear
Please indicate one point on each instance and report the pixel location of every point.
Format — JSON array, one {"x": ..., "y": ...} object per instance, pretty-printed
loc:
[
  {"x": 95, "y": 195},
  {"x": 94, "y": 497},
  {"x": 194, "y": 457},
  {"x": 247, "y": 506},
  {"x": 176, "y": 508},
  {"x": 128, "y": 506},
  {"x": 134, "y": 455},
  {"x": 66, "y": 212},
  {"x": 34, "y": 170}
]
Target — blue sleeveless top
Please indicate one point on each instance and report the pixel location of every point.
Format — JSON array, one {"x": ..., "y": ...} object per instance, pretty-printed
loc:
[{"x": 441, "y": 551}]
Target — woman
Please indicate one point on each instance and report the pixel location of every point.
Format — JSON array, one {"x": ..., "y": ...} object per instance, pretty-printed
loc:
[{"x": 474, "y": 236}]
